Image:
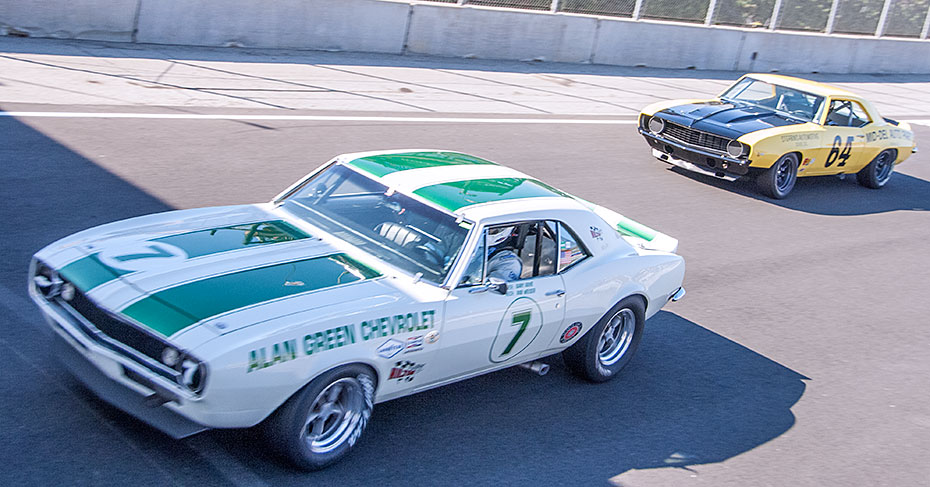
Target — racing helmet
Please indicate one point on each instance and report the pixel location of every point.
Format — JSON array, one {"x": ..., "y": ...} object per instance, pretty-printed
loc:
[{"x": 497, "y": 235}]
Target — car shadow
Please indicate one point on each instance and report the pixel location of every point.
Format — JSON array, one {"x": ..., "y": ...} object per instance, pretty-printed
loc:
[
  {"x": 830, "y": 195},
  {"x": 690, "y": 396}
]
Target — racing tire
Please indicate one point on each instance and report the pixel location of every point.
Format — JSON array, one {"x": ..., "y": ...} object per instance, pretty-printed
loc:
[
  {"x": 322, "y": 422},
  {"x": 878, "y": 172},
  {"x": 779, "y": 180},
  {"x": 608, "y": 347}
]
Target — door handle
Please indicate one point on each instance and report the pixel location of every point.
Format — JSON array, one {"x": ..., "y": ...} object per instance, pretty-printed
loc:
[{"x": 557, "y": 292}]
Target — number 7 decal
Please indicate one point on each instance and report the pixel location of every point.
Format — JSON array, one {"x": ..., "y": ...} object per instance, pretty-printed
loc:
[{"x": 519, "y": 319}]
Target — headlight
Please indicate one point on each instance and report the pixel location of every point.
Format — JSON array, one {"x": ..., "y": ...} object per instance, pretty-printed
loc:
[
  {"x": 656, "y": 125},
  {"x": 737, "y": 149},
  {"x": 47, "y": 281},
  {"x": 170, "y": 356}
]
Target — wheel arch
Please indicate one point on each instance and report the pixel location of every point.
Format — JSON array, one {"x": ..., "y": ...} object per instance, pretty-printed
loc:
[{"x": 307, "y": 381}]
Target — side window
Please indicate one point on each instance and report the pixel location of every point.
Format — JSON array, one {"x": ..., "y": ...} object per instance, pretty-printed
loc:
[
  {"x": 859, "y": 116},
  {"x": 540, "y": 241},
  {"x": 840, "y": 113},
  {"x": 570, "y": 250},
  {"x": 847, "y": 113},
  {"x": 515, "y": 251}
]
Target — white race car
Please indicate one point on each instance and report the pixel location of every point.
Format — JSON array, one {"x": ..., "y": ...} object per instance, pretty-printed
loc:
[{"x": 376, "y": 276}]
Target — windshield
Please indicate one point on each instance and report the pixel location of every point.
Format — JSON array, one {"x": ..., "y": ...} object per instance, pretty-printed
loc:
[
  {"x": 392, "y": 226},
  {"x": 787, "y": 101}
]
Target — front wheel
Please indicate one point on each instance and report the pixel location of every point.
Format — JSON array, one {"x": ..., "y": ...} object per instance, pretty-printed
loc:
[
  {"x": 878, "y": 172},
  {"x": 320, "y": 424},
  {"x": 609, "y": 346},
  {"x": 778, "y": 180}
]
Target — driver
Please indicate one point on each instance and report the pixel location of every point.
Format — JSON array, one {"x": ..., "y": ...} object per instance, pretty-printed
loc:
[{"x": 504, "y": 262}]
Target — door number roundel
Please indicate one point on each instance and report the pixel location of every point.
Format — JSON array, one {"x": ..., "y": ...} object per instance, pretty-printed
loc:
[{"x": 519, "y": 326}]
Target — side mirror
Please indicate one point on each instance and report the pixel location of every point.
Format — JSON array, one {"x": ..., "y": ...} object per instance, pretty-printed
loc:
[{"x": 495, "y": 284}]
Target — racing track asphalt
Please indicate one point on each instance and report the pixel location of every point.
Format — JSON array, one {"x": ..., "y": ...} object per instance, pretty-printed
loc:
[{"x": 799, "y": 355}]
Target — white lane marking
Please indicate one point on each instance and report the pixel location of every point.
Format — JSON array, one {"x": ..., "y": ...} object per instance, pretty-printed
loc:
[
  {"x": 336, "y": 118},
  {"x": 322, "y": 118}
]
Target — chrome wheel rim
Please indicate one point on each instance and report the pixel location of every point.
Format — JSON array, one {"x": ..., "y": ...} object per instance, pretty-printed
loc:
[
  {"x": 883, "y": 167},
  {"x": 616, "y": 338},
  {"x": 333, "y": 415},
  {"x": 784, "y": 176}
]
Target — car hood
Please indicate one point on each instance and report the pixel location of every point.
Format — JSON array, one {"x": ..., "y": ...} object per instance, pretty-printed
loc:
[
  {"x": 727, "y": 119},
  {"x": 174, "y": 271}
]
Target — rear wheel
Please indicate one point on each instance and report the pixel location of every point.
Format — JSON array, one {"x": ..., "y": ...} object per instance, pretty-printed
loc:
[
  {"x": 878, "y": 172},
  {"x": 322, "y": 422},
  {"x": 609, "y": 346},
  {"x": 779, "y": 179}
]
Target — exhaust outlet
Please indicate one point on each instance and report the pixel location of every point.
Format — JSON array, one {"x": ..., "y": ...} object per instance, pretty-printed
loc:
[{"x": 536, "y": 367}]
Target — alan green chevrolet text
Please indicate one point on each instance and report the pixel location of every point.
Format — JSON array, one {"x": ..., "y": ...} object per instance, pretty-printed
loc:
[{"x": 376, "y": 276}]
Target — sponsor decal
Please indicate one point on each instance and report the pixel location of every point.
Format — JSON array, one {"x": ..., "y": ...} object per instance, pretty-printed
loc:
[
  {"x": 889, "y": 133},
  {"x": 520, "y": 289},
  {"x": 393, "y": 325},
  {"x": 404, "y": 371},
  {"x": 390, "y": 348},
  {"x": 570, "y": 332},
  {"x": 414, "y": 343},
  {"x": 596, "y": 233},
  {"x": 799, "y": 137},
  {"x": 313, "y": 343},
  {"x": 340, "y": 336}
]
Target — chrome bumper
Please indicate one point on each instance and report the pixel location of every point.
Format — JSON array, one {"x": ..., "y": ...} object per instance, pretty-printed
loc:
[
  {"x": 689, "y": 166},
  {"x": 137, "y": 405}
]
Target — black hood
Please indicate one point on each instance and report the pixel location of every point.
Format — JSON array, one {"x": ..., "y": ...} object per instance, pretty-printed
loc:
[{"x": 726, "y": 119}]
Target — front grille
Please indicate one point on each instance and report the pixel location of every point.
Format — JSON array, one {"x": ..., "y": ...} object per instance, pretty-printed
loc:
[
  {"x": 117, "y": 329},
  {"x": 695, "y": 138}
]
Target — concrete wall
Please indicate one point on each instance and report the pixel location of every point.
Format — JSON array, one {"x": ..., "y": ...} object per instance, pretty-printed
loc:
[
  {"x": 99, "y": 20},
  {"x": 394, "y": 26},
  {"x": 500, "y": 34},
  {"x": 345, "y": 25}
]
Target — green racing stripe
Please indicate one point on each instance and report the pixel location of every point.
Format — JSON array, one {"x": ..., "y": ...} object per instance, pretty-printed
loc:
[
  {"x": 224, "y": 239},
  {"x": 89, "y": 272},
  {"x": 384, "y": 164},
  {"x": 455, "y": 195},
  {"x": 171, "y": 310}
]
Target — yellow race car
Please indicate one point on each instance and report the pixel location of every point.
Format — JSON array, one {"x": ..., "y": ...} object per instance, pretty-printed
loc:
[{"x": 778, "y": 128}]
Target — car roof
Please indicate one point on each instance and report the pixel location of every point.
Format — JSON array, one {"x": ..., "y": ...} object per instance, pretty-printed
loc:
[
  {"x": 813, "y": 87},
  {"x": 459, "y": 183}
]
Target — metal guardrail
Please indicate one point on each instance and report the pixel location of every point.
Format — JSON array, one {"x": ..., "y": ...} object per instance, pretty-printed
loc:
[{"x": 879, "y": 18}]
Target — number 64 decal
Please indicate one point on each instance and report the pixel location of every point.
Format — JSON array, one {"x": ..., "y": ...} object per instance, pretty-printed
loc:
[{"x": 835, "y": 152}]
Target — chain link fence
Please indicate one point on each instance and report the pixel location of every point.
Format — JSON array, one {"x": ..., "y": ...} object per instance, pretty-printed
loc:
[{"x": 895, "y": 18}]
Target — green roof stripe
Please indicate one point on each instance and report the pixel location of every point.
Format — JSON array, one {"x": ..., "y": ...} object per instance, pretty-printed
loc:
[
  {"x": 455, "y": 195},
  {"x": 88, "y": 272},
  {"x": 171, "y": 310},
  {"x": 224, "y": 239},
  {"x": 384, "y": 164}
]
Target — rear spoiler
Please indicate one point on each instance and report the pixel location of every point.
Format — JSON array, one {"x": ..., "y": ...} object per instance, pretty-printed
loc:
[{"x": 635, "y": 233}]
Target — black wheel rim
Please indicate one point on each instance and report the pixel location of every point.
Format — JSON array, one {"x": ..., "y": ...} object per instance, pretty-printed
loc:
[
  {"x": 883, "y": 167},
  {"x": 784, "y": 176}
]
